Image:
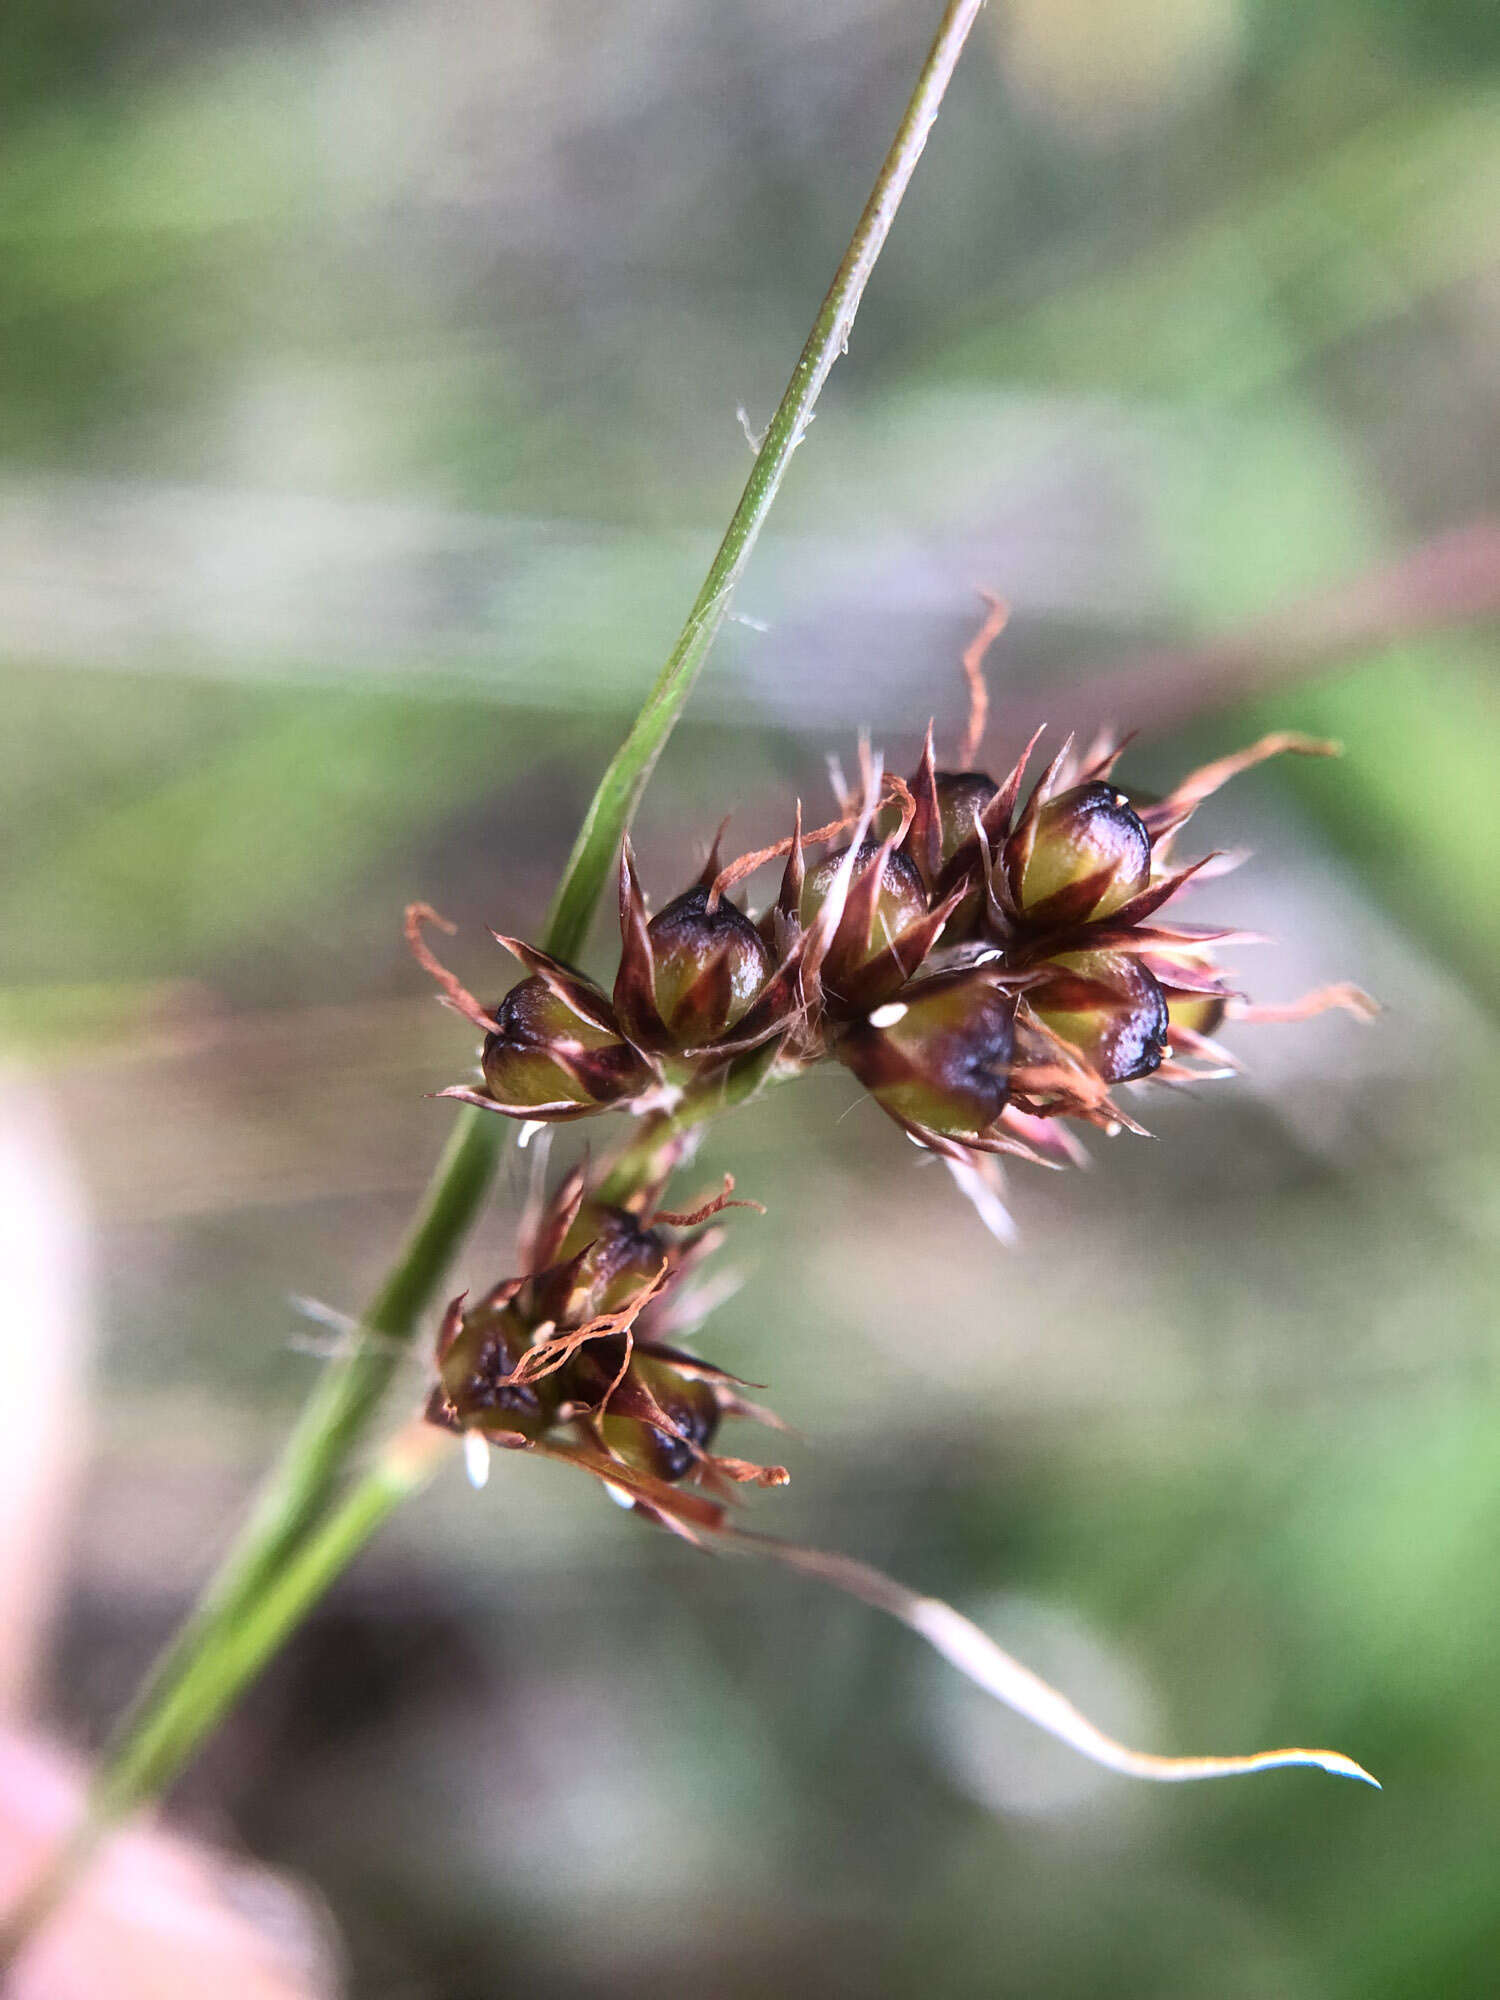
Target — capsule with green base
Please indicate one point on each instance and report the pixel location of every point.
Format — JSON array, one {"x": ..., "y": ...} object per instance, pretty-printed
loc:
[
  {"x": 709, "y": 965},
  {"x": 1108, "y": 1007},
  {"x": 544, "y": 1059},
  {"x": 480, "y": 1351},
  {"x": 1089, "y": 853},
  {"x": 651, "y": 1389},
  {"x": 949, "y": 805},
  {"x": 608, "y": 1258},
  {"x": 938, "y": 1059},
  {"x": 885, "y": 928}
]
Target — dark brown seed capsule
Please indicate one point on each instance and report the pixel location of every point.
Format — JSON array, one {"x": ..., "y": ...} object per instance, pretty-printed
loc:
[
  {"x": 1109, "y": 1007},
  {"x": 650, "y": 1387},
  {"x": 946, "y": 806},
  {"x": 1089, "y": 855},
  {"x": 545, "y": 1058},
  {"x": 620, "y": 1262},
  {"x": 489, "y": 1343},
  {"x": 880, "y": 939},
  {"x": 606, "y": 1261},
  {"x": 644, "y": 1448},
  {"x": 939, "y": 1057},
  {"x": 898, "y": 901},
  {"x": 961, "y": 797},
  {"x": 710, "y": 966}
]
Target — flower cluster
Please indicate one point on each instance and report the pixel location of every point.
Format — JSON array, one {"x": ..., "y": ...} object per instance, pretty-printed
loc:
[
  {"x": 989, "y": 965},
  {"x": 990, "y": 962},
  {"x": 579, "y": 1355}
]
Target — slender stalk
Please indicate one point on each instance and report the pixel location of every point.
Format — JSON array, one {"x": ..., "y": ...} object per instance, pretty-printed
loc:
[
  {"x": 332, "y": 1424},
  {"x": 256, "y": 1589},
  {"x": 177, "y": 1723},
  {"x": 622, "y": 783},
  {"x": 642, "y": 1158}
]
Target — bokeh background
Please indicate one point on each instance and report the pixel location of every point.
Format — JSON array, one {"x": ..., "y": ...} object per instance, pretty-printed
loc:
[{"x": 368, "y": 396}]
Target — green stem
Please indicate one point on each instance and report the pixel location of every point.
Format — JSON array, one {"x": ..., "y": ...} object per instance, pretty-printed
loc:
[
  {"x": 243, "y": 1643},
  {"x": 622, "y": 783},
  {"x": 643, "y": 1158},
  {"x": 205, "y": 1665},
  {"x": 333, "y": 1421}
]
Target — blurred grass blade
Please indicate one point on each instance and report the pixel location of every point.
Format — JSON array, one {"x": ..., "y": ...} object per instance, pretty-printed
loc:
[{"x": 976, "y": 1655}]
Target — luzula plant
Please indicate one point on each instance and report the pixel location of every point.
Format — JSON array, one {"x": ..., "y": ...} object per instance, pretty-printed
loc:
[
  {"x": 992, "y": 969},
  {"x": 990, "y": 960}
]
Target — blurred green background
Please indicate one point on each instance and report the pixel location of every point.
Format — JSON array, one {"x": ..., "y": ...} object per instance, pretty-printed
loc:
[{"x": 368, "y": 391}]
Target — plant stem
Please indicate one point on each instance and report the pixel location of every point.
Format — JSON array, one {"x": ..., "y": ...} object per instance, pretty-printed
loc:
[
  {"x": 642, "y": 1158},
  {"x": 332, "y": 1424},
  {"x": 178, "y": 1722},
  {"x": 281, "y": 1560},
  {"x": 621, "y": 786}
]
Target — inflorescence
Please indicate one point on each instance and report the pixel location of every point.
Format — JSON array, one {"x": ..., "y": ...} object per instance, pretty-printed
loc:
[{"x": 990, "y": 967}]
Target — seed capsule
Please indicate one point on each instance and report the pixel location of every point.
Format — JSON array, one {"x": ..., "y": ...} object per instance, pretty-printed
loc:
[
  {"x": 489, "y": 1342},
  {"x": 544, "y": 1059},
  {"x": 961, "y": 797},
  {"x": 650, "y": 1387},
  {"x": 647, "y": 1448},
  {"x": 691, "y": 973},
  {"x": 608, "y": 1260},
  {"x": 1089, "y": 854},
  {"x": 884, "y": 932},
  {"x": 1108, "y": 1007},
  {"x": 710, "y": 965},
  {"x": 946, "y": 806},
  {"x": 1197, "y": 991},
  {"x": 1199, "y": 1013},
  {"x": 939, "y": 1057}
]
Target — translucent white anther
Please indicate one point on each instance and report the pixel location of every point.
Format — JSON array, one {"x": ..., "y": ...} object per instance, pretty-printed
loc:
[
  {"x": 618, "y": 1494},
  {"x": 888, "y": 1015}
]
